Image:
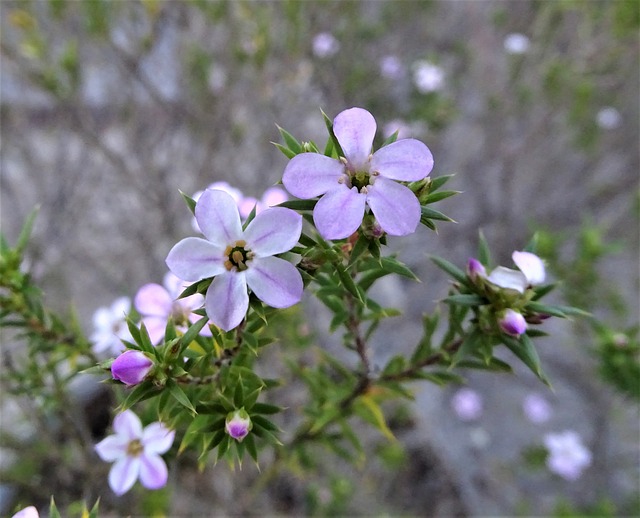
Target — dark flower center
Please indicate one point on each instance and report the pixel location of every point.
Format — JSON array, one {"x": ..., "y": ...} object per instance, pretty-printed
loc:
[
  {"x": 135, "y": 448},
  {"x": 237, "y": 256}
]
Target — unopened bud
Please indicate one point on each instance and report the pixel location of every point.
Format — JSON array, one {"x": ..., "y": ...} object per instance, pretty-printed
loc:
[
  {"x": 238, "y": 424},
  {"x": 131, "y": 367},
  {"x": 512, "y": 323},
  {"x": 475, "y": 269}
]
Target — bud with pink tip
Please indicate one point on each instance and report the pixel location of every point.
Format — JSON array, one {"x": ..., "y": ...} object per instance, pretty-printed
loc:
[
  {"x": 512, "y": 323},
  {"x": 238, "y": 424},
  {"x": 475, "y": 269},
  {"x": 131, "y": 367}
]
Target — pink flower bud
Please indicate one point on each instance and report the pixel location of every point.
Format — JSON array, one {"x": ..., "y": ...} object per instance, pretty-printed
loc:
[
  {"x": 475, "y": 269},
  {"x": 512, "y": 323},
  {"x": 238, "y": 424},
  {"x": 131, "y": 367}
]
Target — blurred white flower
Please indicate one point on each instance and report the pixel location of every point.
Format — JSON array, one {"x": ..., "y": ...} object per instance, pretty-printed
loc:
[
  {"x": 516, "y": 43},
  {"x": 608, "y": 118},
  {"x": 391, "y": 67},
  {"x": 427, "y": 77},
  {"x": 27, "y": 512},
  {"x": 467, "y": 404},
  {"x": 325, "y": 45},
  {"x": 536, "y": 408},
  {"x": 568, "y": 457},
  {"x": 216, "y": 79},
  {"x": 403, "y": 129},
  {"x": 110, "y": 328}
]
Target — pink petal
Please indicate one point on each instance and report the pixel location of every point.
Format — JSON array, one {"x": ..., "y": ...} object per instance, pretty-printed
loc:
[
  {"x": 154, "y": 300},
  {"x": 156, "y": 327},
  {"x": 27, "y": 512},
  {"x": 123, "y": 474},
  {"x": 127, "y": 425},
  {"x": 227, "y": 300},
  {"x": 310, "y": 174},
  {"x": 275, "y": 281},
  {"x": 531, "y": 266},
  {"x": 274, "y": 196},
  {"x": 339, "y": 213},
  {"x": 395, "y": 207},
  {"x": 218, "y": 218},
  {"x": 273, "y": 231},
  {"x": 508, "y": 279},
  {"x": 112, "y": 448},
  {"x": 245, "y": 206},
  {"x": 157, "y": 438},
  {"x": 407, "y": 160},
  {"x": 153, "y": 471},
  {"x": 355, "y": 129},
  {"x": 174, "y": 285},
  {"x": 194, "y": 258},
  {"x": 235, "y": 193}
]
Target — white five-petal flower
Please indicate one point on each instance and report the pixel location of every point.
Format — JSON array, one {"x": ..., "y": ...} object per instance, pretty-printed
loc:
[
  {"x": 135, "y": 453},
  {"x": 110, "y": 327},
  {"x": 239, "y": 259},
  {"x": 531, "y": 273}
]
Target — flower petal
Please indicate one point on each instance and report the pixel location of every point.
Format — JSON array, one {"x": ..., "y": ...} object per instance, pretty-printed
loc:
[
  {"x": 128, "y": 425},
  {"x": 121, "y": 307},
  {"x": 274, "y": 196},
  {"x": 308, "y": 175},
  {"x": 154, "y": 300},
  {"x": 218, "y": 218},
  {"x": 531, "y": 266},
  {"x": 157, "y": 438},
  {"x": 355, "y": 129},
  {"x": 174, "y": 285},
  {"x": 338, "y": 213},
  {"x": 275, "y": 281},
  {"x": 123, "y": 474},
  {"x": 153, "y": 471},
  {"x": 273, "y": 231},
  {"x": 508, "y": 279},
  {"x": 112, "y": 448},
  {"x": 227, "y": 300},
  {"x": 194, "y": 258},
  {"x": 395, "y": 207},
  {"x": 155, "y": 327},
  {"x": 407, "y": 160}
]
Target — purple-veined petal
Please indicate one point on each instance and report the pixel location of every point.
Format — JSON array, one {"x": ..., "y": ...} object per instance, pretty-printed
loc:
[
  {"x": 128, "y": 425},
  {"x": 407, "y": 160},
  {"x": 153, "y": 471},
  {"x": 123, "y": 474},
  {"x": 155, "y": 327},
  {"x": 194, "y": 259},
  {"x": 531, "y": 266},
  {"x": 112, "y": 448},
  {"x": 395, "y": 206},
  {"x": 153, "y": 300},
  {"x": 355, "y": 129},
  {"x": 339, "y": 213},
  {"x": 218, "y": 218},
  {"x": 227, "y": 300},
  {"x": 508, "y": 279},
  {"x": 275, "y": 281},
  {"x": 157, "y": 438},
  {"x": 308, "y": 175},
  {"x": 273, "y": 231}
]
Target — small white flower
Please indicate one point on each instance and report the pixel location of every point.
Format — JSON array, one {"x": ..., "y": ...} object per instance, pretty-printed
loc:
[
  {"x": 391, "y": 67},
  {"x": 427, "y": 77},
  {"x": 325, "y": 45},
  {"x": 467, "y": 404},
  {"x": 110, "y": 328},
  {"x": 568, "y": 457},
  {"x": 536, "y": 408},
  {"x": 516, "y": 43},
  {"x": 608, "y": 118}
]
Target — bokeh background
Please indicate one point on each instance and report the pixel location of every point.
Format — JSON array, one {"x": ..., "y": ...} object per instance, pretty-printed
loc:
[{"x": 109, "y": 108}]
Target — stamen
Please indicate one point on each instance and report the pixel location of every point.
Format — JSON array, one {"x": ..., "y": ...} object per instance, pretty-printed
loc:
[{"x": 134, "y": 448}]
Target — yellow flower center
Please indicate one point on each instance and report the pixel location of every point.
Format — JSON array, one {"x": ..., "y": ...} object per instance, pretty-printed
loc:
[
  {"x": 135, "y": 448},
  {"x": 237, "y": 256}
]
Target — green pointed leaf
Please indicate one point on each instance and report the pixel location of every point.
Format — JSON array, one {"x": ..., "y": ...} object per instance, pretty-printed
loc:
[
  {"x": 94, "y": 510},
  {"x": 329, "y": 124},
  {"x": 265, "y": 408},
  {"x": 299, "y": 204},
  {"x": 361, "y": 246},
  {"x": 347, "y": 281},
  {"x": 484, "y": 253},
  {"x": 179, "y": 395},
  {"x": 285, "y": 150},
  {"x": 144, "y": 390},
  {"x": 25, "y": 233},
  {"x": 451, "y": 269},
  {"x": 438, "y": 196},
  {"x": 191, "y": 203},
  {"x": 429, "y": 213},
  {"x": 371, "y": 412},
  {"x": 290, "y": 140},
  {"x": 439, "y": 181},
  {"x": 526, "y": 351},
  {"x": 53, "y": 510},
  {"x": 470, "y": 300}
]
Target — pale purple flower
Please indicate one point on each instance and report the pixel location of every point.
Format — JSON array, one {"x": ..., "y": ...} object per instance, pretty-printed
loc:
[
  {"x": 271, "y": 197},
  {"x": 475, "y": 269},
  {"x": 157, "y": 304},
  {"x": 239, "y": 259},
  {"x": 27, "y": 512},
  {"x": 531, "y": 273},
  {"x": 238, "y": 424},
  {"x": 427, "y": 77},
  {"x": 536, "y": 408},
  {"x": 467, "y": 404},
  {"x": 136, "y": 453},
  {"x": 608, "y": 118},
  {"x": 391, "y": 67},
  {"x": 512, "y": 323},
  {"x": 325, "y": 45},
  {"x": 360, "y": 178},
  {"x": 110, "y": 328},
  {"x": 568, "y": 457},
  {"x": 404, "y": 130},
  {"x": 235, "y": 193},
  {"x": 131, "y": 367},
  {"x": 516, "y": 43}
]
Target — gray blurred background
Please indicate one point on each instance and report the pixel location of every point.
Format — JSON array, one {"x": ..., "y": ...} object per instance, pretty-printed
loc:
[{"x": 109, "y": 108}]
